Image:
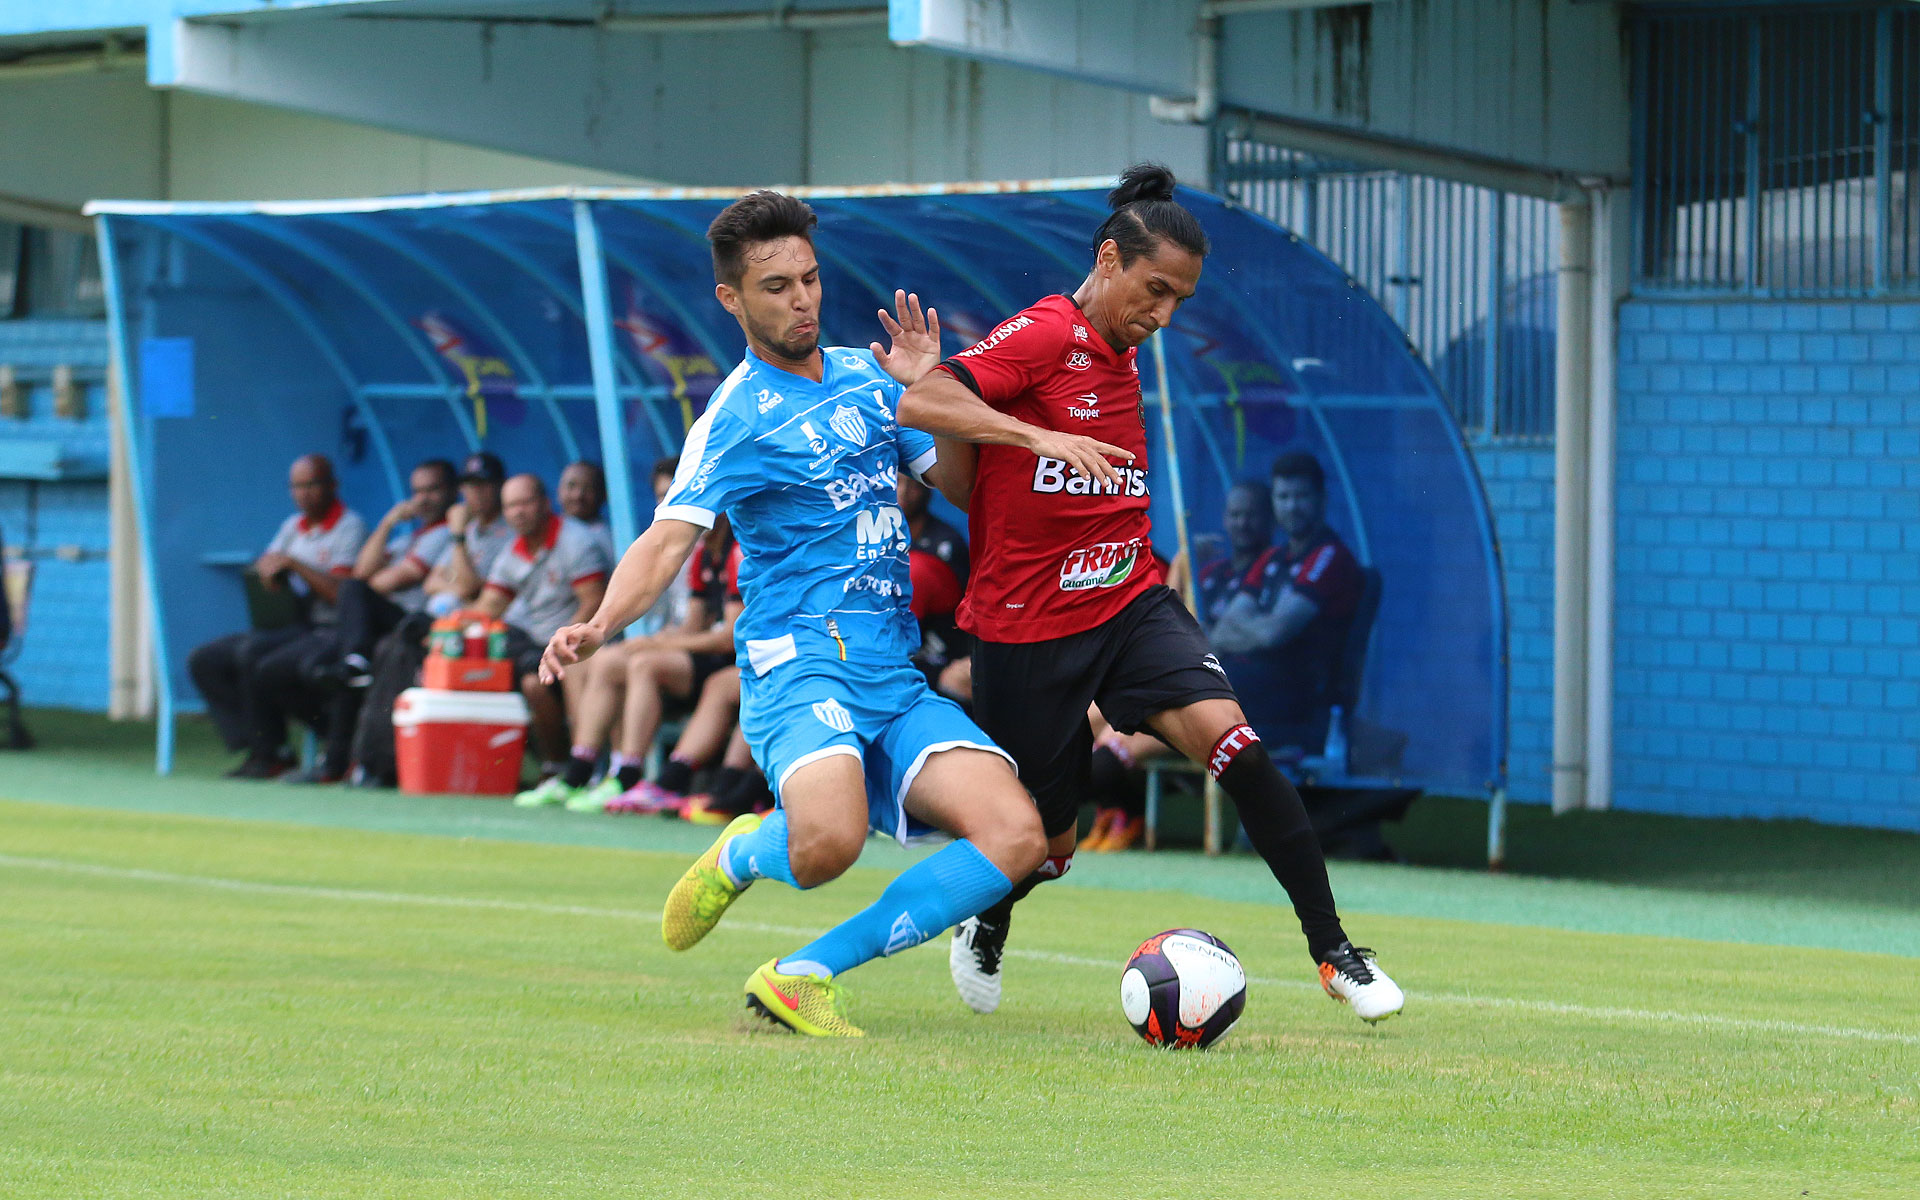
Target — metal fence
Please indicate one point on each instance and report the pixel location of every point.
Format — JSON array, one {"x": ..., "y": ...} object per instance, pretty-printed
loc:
[
  {"x": 1776, "y": 152},
  {"x": 1467, "y": 272}
]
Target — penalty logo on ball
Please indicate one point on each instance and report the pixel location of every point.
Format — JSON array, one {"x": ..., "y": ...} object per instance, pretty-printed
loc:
[{"x": 1183, "y": 989}]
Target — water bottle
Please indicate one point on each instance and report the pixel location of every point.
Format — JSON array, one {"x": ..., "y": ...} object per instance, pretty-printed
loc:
[{"x": 1336, "y": 751}]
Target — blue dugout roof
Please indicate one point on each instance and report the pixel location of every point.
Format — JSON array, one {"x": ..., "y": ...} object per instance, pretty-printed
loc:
[{"x": 553, "y": 325}]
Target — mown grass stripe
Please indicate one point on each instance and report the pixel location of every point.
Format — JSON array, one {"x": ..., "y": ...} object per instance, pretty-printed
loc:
[{"x": 363, "y": 895}]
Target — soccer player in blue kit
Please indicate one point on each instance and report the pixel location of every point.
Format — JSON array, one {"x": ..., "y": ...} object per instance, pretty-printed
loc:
[{"x": 801, "y": 449}]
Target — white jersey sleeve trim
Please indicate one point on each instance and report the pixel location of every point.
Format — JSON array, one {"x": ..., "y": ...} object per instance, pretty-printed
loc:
[{"x": 692, "y": 514}]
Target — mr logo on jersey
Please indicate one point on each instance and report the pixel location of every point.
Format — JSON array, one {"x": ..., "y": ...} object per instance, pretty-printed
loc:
[
  {"x": 881, "y": 530},
  {"x": 1106, "y": 565}
]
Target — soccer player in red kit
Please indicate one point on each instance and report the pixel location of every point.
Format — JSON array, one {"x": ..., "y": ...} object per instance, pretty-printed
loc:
[{"x": 1066, "y": 602}]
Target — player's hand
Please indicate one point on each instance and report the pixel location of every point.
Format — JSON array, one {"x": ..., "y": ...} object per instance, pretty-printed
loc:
[
  {"x": 271, "y": 565},
  {"x": 1086, "y": 457},
  {"x": 569, "y": 645},
  {"x": 403, "y": 511},
  {"x": 457, "y": 520},
  {"x": 915, "y": 336}
]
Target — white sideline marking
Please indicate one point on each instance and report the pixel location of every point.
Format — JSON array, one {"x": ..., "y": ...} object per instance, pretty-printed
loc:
[{"x": 1591, "y": 1012}]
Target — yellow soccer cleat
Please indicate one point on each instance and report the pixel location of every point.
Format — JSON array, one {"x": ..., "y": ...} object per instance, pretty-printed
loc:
[
  {"x": 704, "y": 892},
  {"x": 809, "y": 1004}
]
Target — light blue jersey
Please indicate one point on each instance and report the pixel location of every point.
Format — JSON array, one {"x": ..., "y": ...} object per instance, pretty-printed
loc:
[{"x": 808, "y": 473}]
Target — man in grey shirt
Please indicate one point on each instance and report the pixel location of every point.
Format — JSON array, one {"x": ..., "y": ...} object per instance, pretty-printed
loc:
[
  {"x": 553, "y": 573},
  {"x": 313, "y": 551},
  {"x": 479, "y": 532}
]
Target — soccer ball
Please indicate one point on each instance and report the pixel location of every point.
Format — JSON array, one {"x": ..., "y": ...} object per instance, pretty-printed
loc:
[{"x": 1183, "y": 989}]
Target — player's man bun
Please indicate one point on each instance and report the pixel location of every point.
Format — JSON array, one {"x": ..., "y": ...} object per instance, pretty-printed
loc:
[
  {"x": 1146, "y": 214},
  {"x": 1142, "y": 181}
]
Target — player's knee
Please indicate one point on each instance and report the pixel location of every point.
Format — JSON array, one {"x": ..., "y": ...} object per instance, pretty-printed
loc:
[
  {"x": 818, "y": 855},
  {"x": 1015, "y": 840}
]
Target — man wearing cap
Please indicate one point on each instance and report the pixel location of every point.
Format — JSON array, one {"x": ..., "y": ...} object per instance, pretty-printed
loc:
[{"x": 480, "y": 531}]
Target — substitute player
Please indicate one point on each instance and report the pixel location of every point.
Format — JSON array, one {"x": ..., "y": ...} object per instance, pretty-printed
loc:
[
  {"x": 1066, "y": 601},
  {"x": 801, "y": 449}
]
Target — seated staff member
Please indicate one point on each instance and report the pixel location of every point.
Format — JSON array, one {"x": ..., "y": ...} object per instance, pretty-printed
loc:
[
  {"x": 554, "y": 573},
  {"x": 625, "y": 684},
  {"x": 385, "y": 587},
  {"x": 310, "y": 554},
  {"x": 479, "y": 531},
  {"x": 1278, "y": 616}
]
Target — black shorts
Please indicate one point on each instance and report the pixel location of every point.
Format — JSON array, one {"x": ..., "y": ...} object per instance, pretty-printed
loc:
[
  {"x": 705, "y": 666},
  {"x": 1031, "y": 698}
]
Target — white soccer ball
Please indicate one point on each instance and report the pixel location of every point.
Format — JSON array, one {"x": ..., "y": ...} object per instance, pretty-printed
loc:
[{"x": 1183, "y": 989}]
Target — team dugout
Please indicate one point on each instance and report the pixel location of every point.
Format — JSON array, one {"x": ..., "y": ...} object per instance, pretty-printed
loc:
[{"x": 558, "y": 325}]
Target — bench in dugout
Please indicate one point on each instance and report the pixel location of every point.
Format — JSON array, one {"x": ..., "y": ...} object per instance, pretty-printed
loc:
[{"x": 1366, "y": 802}]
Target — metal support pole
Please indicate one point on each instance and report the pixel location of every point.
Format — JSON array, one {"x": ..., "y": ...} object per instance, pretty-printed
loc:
[
  {"x": 598, "y": 312},
  {"x": 1571, "y": 412},
  {"x": 1882, "y": 118},
  {"x": 1497, "y": 830},
  {"x": 137, "y": 463},
  {"x": 1603, "y": 399}
]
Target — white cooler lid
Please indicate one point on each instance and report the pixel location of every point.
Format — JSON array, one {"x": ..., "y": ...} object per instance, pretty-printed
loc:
[{"x": 435, "y": 706}]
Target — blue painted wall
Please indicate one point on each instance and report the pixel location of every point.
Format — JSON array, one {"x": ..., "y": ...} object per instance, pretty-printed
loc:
[
  {"x": 1519, "y": 483},
  {"x": 1768, "y": 661},
  {"x": 63, "y": 525}
]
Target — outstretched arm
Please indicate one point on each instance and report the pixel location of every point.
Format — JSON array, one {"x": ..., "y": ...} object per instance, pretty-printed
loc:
[
  {"x": 645, "y": 571},
  {"x": 943, "y": 406}
]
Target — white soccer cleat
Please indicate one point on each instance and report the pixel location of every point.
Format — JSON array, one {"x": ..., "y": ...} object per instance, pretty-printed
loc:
[
  {"x": 974, "y": 960},
  {"x": 1351, "y": 976}
]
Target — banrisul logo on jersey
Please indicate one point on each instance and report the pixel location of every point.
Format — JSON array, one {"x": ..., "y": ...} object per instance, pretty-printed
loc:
[{"x": 1106, "y": 565}]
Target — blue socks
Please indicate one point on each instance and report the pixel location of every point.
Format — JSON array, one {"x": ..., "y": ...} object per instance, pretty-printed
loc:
[
  {"x": 761, "y": 854},
  {"x": 928, "y": 898}
]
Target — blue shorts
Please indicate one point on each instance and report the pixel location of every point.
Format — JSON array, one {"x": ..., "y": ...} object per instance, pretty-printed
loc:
[{"x": 809, "y": 708}]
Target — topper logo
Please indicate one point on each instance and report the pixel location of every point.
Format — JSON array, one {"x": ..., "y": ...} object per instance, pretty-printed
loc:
[{"x": 1085, "y": 407}]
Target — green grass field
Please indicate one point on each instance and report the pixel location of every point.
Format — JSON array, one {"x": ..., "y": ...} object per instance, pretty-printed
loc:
[{"x": 193, "y": 1006}]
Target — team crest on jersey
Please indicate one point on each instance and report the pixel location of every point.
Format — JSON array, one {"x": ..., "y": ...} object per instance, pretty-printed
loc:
[
  {"x": 1079, "y": 360},
  {"x": 834, "y": 716},
  {"x": 766, "y": 401},
  {"x": 848, "y": 423},
  {"x": 815, "y": 442}
]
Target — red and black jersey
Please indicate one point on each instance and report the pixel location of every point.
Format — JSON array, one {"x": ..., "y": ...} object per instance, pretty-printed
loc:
[
  {"x": 1286, "y": 686},
  {"x": 1052, "y": 554},
  {"x": 715, "y": 579}
]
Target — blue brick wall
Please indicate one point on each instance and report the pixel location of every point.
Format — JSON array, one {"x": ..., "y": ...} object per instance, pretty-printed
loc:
[
  {"x": 1768, "y": 654},
  {"x": 1519, "y": 483},
  {"x": 64, "y": 655}
]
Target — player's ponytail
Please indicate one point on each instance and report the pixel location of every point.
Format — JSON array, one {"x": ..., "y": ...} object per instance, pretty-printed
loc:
[{"x": 1146, "y": 214}]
